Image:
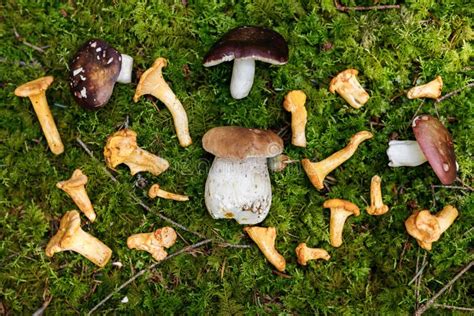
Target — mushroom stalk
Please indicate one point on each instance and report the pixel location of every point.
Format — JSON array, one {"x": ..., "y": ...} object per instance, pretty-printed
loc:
[
  {"x": 70, "y": 236},
  {"x": 305, "y": 254},
  {"x": 317, "y": 171},
  {"x": 431, "y": 90},
  {"x": 265, "y": 237},
  {"x": 243, "y": 74},
  {"x": 36, "y": 92},
  {"x": 152, "y": 82},
  {"x": 154, "y": 242},
  {"x": 294, "y": 103},
  {"x": 125, "y": 75},
  {"x": 377, "y": 207},
  {"x": 405, "y": 153},
  {"x": 156, "y": 191}
]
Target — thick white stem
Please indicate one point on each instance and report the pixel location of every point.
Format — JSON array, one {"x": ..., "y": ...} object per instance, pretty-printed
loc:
[
  {"x": 405, "y": 153},
  {"x": 125, "y": 75},
  {"x": 242, "y": 78}
]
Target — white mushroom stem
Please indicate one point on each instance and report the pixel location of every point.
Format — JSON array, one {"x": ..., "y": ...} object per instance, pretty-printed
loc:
[
  {"x": 125, "y": 75},
  {"x": 242, "y": 78},
  {"x": 405, "y": 153}
]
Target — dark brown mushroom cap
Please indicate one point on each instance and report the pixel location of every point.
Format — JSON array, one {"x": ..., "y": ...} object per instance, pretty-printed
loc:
[
  {"x": 247, "y": 42},
  {"x": 437, "y": 145},
  {"x": 240, "y": 143},
  {"x": 94, "y": 71}
]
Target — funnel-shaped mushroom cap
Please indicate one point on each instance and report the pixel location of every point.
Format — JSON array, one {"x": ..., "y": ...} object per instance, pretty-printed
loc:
[
  {"x": 343, "y": 205},
  {"x": 437, "y": 145},
  {"x": 240, "y": 143},
  {"x": 249, "y": 42},
  {"x": 94, "y": 71},
  {"x": 34, "y": 87}
]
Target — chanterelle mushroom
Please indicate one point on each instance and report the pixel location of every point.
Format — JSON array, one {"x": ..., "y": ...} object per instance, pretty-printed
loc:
[
  {"x": 36, "y": 91},
  {"x": 244, "y": 45},
  {"x": 317, "y": 171},
  {"x": 294, "y": 103},
  {"x": 427, "y": 228},
  {"x": 152, "y": 82},
  {"x": 70, "y": 236},
  {"x": 238, "y": 185},
  {"x": 433, "y": 144},
  {"x": 348, "y": 87},
  {"x": 94, "y": 70},
  {"x": 122, "y": 147},
  {"x": 156, "y": 191},
  {"x": 75, "y": 188},
  {"x": 340, "y": 211},
  {"x": 154, "y": 242},
  {"x": 377, "y": 207},
  {"x": 305, "y": 254},
  {"x": 431, "y": 90},
  {"x": 265, "y": 237}
]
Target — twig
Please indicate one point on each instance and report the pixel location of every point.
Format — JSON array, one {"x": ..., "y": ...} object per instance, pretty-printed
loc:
[
  {"x": 450, "y": 94},
  {"x": 344, "y": 8},
  {"x": 43, "y": 307},
  {"x": 418, "y": 281},
  {"x": 229, "y": 245},
  {"x": 18, "y": 37},
  {"x": 283, "y": 275},
  {"x": 423, "y": 308},
  {"x": 151, "y": 267},
  {"x": 456, "y": 187},
  {"x": 468, "y": 309},
  {"x": 135, "y": 198},
  {"x": 420, "y": 271}
]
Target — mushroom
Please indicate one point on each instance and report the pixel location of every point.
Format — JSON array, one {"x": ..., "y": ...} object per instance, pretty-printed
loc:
[
  {"x": 348, "y": 87},
  {"x": 121, "y": 147},
  {"x": 433, "y": 144},
  {"x": 95, "y": 69},
  {"x": 340, "y": 211},
  {"x": 265, "y": 237},
  {"x": 317, "y": 171},
  {"x": 279, "y": 163},
  {"x": 244, "y": 45},
  {"x": 427, "y": 228},
  {"x": 35, "y": 91},
  {"x": 75, "y": 188},
  {"x": 70, "y": 236},
  {"x": 306, "y": 254},
  {"x": 152, "y": 82},
  {"x": 294, "y": 103},
  {"x": 431, "y": 90},
  {"x": 154, "y": 242},
  {"x": 238, "y": 185},
  {"x": 376, "y": 203},
  {"x": 156, "y": 191}
]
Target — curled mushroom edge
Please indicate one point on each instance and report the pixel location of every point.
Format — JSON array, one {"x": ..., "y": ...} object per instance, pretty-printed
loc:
[
  {"x": 154, "y": 242},
  {"x": 349, "y": 88},
  {"x": 265, "y": 237}
]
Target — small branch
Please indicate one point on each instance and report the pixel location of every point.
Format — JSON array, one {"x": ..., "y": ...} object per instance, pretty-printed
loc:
[
  {"x": 20, "y": 38},
  {"x": 468, "y": 309},
  {"x": 40, "y": 311},
  {"x": 344, "y": 8},
  {"x": 141, "y": 272},
  {"x": 229, "y": 245},
  {"x": 455, "y": 187},
  {"x": 423, "y": 308},
  {"x": 418, "y": 274},
  {"x": 450, "y": 94}
]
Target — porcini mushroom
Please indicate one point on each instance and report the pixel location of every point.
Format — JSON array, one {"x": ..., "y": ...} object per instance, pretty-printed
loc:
[
  {"x": 305, "y": 254},
  {"x": 70, "y": 236},
  {"x": 433, "y": 144},
  {"x": 238, "y": 184},
  {"x": 75, "y": 188},
  {"x": 265, "y": 237},
  {"x": 152, "y": 82},
  {"x": 431, "y": 90},
  {"x": 348, "y": 87},
  {"x": 122, "y": 147},
  {"x": 36, "y": 91},
  {"x": 317, "y": 171},
  {"x": 377, "y": 207},
  {"x": 154, "y": 243},
  {"x": 244, "y": 45},
  {"x": 95, "y": 69},
  {"x": 340, "y": 211},
  {"x": 427, "y": 228},
  {"x": 156, "y": 191},
  {"x": 294, "y": 103}
]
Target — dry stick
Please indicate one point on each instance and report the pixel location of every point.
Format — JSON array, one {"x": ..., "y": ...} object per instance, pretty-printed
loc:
[
  {"x": 418, "y": 274},
  {"x": 141, "y": 272},
  {"x": 40, "y": 311},
  {"x": 423, "y": 308},
  {"x": 344, "y": 8},
  {"x": 468, "y": 309},
  {"x": 18, "y": 37},
  {"x": 453, "y": 187},
  {"x": 450, "y": 94}
]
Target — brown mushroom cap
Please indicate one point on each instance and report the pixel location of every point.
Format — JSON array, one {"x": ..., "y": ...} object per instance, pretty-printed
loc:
[
  {"x": 34, "y": 87},
  {"x": 249, "y": 42},
  {"x": 240, "y": 143},
  {"x": 94, "y": 71},
  {"x": 437, "y": 146},
  {"x": 346, "y": 205}
]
